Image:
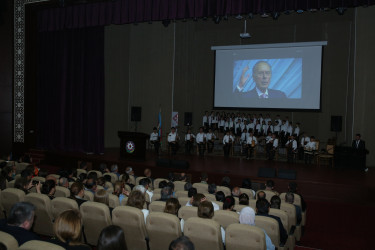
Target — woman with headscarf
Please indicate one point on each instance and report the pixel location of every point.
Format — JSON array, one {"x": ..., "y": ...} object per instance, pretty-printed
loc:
[{"x": 247, "y": 216}]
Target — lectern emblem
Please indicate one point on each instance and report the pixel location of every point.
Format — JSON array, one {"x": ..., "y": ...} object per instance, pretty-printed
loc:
[{"x": 130, "y": 147}]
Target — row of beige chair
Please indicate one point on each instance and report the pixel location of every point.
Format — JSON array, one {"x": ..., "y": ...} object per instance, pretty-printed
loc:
[{"x": 11, "y": 243}]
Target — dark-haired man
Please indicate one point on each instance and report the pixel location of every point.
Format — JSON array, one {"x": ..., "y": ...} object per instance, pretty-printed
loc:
[
  {"x": 181, "y": 243},
  {"x": 359, "y": 148}
]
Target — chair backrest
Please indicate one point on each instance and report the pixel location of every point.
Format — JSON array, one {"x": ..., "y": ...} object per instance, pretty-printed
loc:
[
  {"x": 108, "y": 185},
  {"x": 138, "y": 179},
  {"x": 132, "y": 179},
  {"x": 244, "y": 237},
  {"x": 131, "y": 220},
  {"x": 10, "y": 184},
  {"x": 39, "y": 178},
  {"x": 99, "y": 174},
  {"x": 62, "y": 192},
  {"x": 330, "y": 149},
  {"x": 157, "y": 191},
  {"x": 220, "y": 204},
  {"x": 187, "y": 212},
  {"x": 21, "y": 166},
  {"x": 157, "y": 206},
  {"x": 56, "y": 176},
  {"x": 253, "y": 204},
  {"x": 114, "y": 201},
  {"x": 297, "y": 199},
  {"x": 38, "y": 244},
  {"x": 180, "y": 194},
  {"x": 8, "y": 240},
  {"x": 124, "y": 200},
  {"x": 88, "y": 195},
  {"x": 113, "y": 176},
  {"x": 225, "y": 190},
  {"x": 80, "y": 171},
  {"x": 183, "y": 200},
  {"x": 210, "y": 197},
  {"x": 201, "y": 187},
  {"x": 43, "y": 222},
  {"x": 249, "y": 192},
  {"x": 179, "y": 185},
  {"x": 317, "y": 143},
  {"x": 95, "y": 217},
  {"x": 236, "y": 200},
  {"x": 155, "y": 197},
  {"x": 204, "y": 233},
  {"x": 158, "y": 180},
  {"x": 271, "y": 226},
  {"x": 225, "y": 218},
  {"x": 238, "y": 208},
  {"x": 268, "y": 193},
  {"x": 283, "y": 217},
  {"x": 162, "y": 228},
  {"x": 290, "y": 209},
  {"x": 9, "y": 197},
  {"x": 61, "y": 204}
]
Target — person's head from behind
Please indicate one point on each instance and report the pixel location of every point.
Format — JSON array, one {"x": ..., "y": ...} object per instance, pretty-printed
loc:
[
  {"x": 289, "y": 198},
  {"x": 165, "y": 193},
  {"x": 171, "y": 185},
  {"x": 246, "y": 183},
  {"x": 92, "y": 175},
  {"x": 197, "y": 199},
  {"x": 182, "y": 243},
  {"x": 22, "y": 215},
  {"x": 275, "y": 202},
  {"x": 292, "y": 187},
  {"x": 147, "y": 173},
  {"x": 212, "y": 188},
  {"x": 101, "y": 181},
  {"x": 236, "y": 191},
  {"x": 146, "y": 182},
  {"x": 261, "y": 195},
  {"x": 90, "y": 184},
  {"x": 22, "y": 183},
  {"x": 112, "y": 238},
  {"x": 67, "y": 226},
  {"x": 82, "y": 177},
  {"x": 225, "y": 181},
  {"x": 172, "y": 205},
  {"x": 114, "y": 168},
  {"x": 270, "y": 184},
  {"x": 228, "y": 203},
  {"x": 192, "y": 191},
  {"x": 27, "y": 173},
  {"x": 247, "y": 216},
  {"x": 220, "y": 196},
  {"x": 262, "y": 206},
  {"x": 103, "y": 168},
  {"x": 187, "y": 186},
  {"x": 204, "y": 176},
  {"x": 101, "y": 196},
  {"x": 77, "y": 190},
  {"x": 136, "y": 199},
  {"x": 206, "y": 210},
  {"x": 262, "y": 75},
  {"x": 48, "y": 187},
  {"x": 163, "y": 184},
  {"x": 63, "y": 182},
  {"x": 244, "y": 199}
]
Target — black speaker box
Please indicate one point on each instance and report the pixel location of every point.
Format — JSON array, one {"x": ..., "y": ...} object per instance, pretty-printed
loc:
[
  {"x": 267, "y": 172},
  {"x": 188, "y": 118},
  {"x": 179, "y": 164},
  {"x": 166, "y": 163},
  {"x": 136, "y": 114},
  {"x": 336, "y": 123},
  {"x": 287, "y": 174}
]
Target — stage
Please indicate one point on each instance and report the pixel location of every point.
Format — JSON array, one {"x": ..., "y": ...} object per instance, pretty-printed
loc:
[{"x": 322, "y": 183}]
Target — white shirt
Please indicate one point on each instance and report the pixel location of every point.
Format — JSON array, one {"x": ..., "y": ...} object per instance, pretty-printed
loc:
[
  {"x": 294, "y": 144},
  {"x": 222, "y": 123},
  {"x": 227, "y": 138},
  {"x": 311, "y": 145},
  {"x": 145, "y": 214},
  {"x": 200, "y": 137},
  {"x": 172, "y": 137},
  {"x": 290, "y": 130},
  {"x": 296, "y": 131},
  {"x": 305, "y": 140},
  {"x": 150, "y": 194},
  {"x": 276, "y": 128},
  {"x": 205, "y": 119},
  {"x": 250, "y": 140},
  {"x": 188, "y": 137},
  {"x": 275, "y": 143},
  {"x": 154, "y": 136},
  {"x": 210, "y": 136},
  {"x": 244, "y": 137}
]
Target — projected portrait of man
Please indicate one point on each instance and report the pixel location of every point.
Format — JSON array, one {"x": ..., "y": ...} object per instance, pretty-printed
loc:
[{"x": 262, "y": 74}]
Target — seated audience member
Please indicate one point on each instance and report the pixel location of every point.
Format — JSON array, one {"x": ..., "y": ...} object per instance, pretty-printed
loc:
[
  {"x": 229, "y": 204},
  {"x": 126, "y": 181},
  {"x": 163, "y": 184},
  {"x": 92, "y": 175},
  {"x": 77, "y": 193},
  {"x": 236, "y": 192},
  {"x": 172, "y": 205},
  {"x": 148, "y": 174},
  {"x": 114, "y": 169},
  {"x": 270, "y": 186},
  {"x": 244, "y": 199},
  {"x": 204, "y": 178},
  {"x": 183, "y": 177},
  {"x": 247, "y": 217},
  {"x": 82, "y": 178},
  {"x": 182, "y": 243},
  {"x": 220, "y": 196},
  {"x": 64, "y": 182},
  {"x": 187, "y": 186},
  {"x": 246, "y": 183},
  {"x": 112, "y": 238},
  {"x": 19, "y": 222},
  {"x": 119, "y": 191},
  {"x": 212, "y": 188},
  {"x": 25, "y": 185},
  {"x": 289, "y": 198},
  {"x": 137, "y": 199},
  {"x": 83, "y": 165},
  {"x": 103, "y": 168},
  {"x": 226, "y": 182},
  {"x": 130, "y": 172},
  {"x": 101, "y": 196},
  {"x": 171, "y": 177},
  {"x": 197, "y": 199},
  {"x": 146, "y": 182},
  {"x": 7, "y": 173},
  {"x": 101, "y": 182},
  {"x": 171, "y": 185},
  {"x": 27, "y": 173},
  {"x": 192, "y": 191},
  {"x": 166, "y": 193},
  {"x": 49, "y": 188},
  {"x": 275, "y": 202},
  {"x": 292, "y": 187},
  {"x": 261, "y": 195},
  {"x": 90, "y": 185},
  {"x": 262, "y": 209},
  {"x": 3, "y": 182},
  {"x": 51, "y": 177},
  {"x": 206, "y": 211},
  {"x": 68, "y": 230}
]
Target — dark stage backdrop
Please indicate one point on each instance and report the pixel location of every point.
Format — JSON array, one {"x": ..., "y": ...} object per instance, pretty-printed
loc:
[{"x": 71, "y": 90}]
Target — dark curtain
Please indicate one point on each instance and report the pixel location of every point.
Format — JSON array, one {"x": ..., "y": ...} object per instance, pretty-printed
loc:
[{"x": 71, "y": 90}]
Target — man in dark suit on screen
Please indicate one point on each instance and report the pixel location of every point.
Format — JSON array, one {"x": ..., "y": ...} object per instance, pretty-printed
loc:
[
  {"x": 262, "y": 74},
  {"x": 359, "y": 148}
]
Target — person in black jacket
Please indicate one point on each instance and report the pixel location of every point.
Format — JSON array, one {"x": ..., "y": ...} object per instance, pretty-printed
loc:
[{"x": 359, "y": 148}]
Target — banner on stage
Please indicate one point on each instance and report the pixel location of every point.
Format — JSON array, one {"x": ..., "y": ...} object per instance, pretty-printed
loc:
[{"x": 174, "y": 122}]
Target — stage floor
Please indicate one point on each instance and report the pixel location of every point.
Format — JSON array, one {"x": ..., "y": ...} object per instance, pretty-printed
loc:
[{"x": 322, "y": 183}]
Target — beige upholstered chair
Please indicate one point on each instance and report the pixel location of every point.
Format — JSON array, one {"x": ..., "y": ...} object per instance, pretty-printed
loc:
[
  {"x": 225, "y": 190},
  {"x": 290, "y": 209},
  {"x": 2, "y": 211},
  {"x": 155, "y": 197},
  {"x": 180, "y": 194},
  {"x": 70, "y": 183},
  {"x": 298, "y": 202},
  {"x": 157, "y": 181},
  {"x": 128, "y": 188},
  {"x": 132, "y": 179},
  {"x": 9, "y": 197},
  {"x": 210, "y": 197},
  {"x": 220, "y": 204},
  {"x": 179, "y": 185},
  {"x": 187, "y": 212},
  {"x": 268, "y": 193},
  {"x": 8, "y": 240},
  {"x": 157, "y": 206},
  {"x": 10, "y": 184},
  {"x": 124, "y": 200},
  {"x": 61, "y": 204},
  {"x": 204, "y": 233},
  {"x": 236, "y": 201},
  {"x": 80, "y": 171},
  {"x": 162, "y": 228},
  {"x": 291, "y": 242},
  {"x": 131, "y": 220},
  {"x": 38, "y": 244},
  {"x": 138, "y": 179},
  {"x": 271, "y": 226},
  {"x": 244, "y": 237},
  {"x": 98, "y": 187},
  {"x": 114, "y": 201},
  {"x": 95, "y": 217},
  {"x": 238, "y": 208},
  {"x": 225, "y": 218},
  {"x": 108, "y": 185},
  {"x": 253, "y": 204},
  {"x": 201, "y": 187},
  {"x": 43, "y": 222},
  {"x": 88, "y": 196},
  {"x": 21, "y": 166},
  {"x": 183, "y": 200},
  {"x": 99, "y": 174},
  {"x": 55, "y": 175},
  {"x": 62, "y": 192},
  {"x": 114, "y": 177},
  {"x": 249, "y": 192}
]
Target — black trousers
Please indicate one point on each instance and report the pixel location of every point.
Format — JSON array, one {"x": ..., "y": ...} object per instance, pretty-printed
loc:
[
  {"x": 156, "y": 146},
  {"x": 188, "y": 147},
  {"x": 210, "y": 146},
  {"x": 270, "y": 151},
  {"x": 226, "y": 148},
  {"x": 201, "y": 148},
  {"x": 173, "y": 147}
]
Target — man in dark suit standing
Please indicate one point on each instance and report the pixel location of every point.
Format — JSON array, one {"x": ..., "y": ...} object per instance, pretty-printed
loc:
[
  {"x": 359, "y": 148},
  {"x": 262, "y": 74}
]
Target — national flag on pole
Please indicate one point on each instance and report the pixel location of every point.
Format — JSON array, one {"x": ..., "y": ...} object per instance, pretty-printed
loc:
[{"x": 159, "y": 124}]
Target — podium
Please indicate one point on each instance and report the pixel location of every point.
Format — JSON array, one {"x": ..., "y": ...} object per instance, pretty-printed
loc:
[{"x": 133, "y": 145}]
